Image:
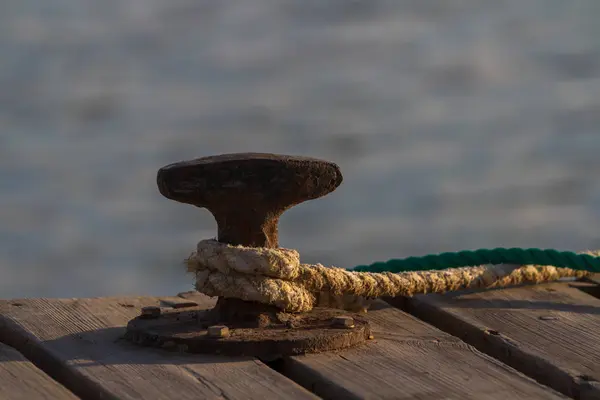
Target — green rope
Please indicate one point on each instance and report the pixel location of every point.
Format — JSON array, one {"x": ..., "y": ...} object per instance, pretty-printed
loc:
[{"x": 563, "y": 259}]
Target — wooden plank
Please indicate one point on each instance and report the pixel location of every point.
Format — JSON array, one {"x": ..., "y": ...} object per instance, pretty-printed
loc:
[
  {"x": 409, "y": 359},
  {"x": 21, "y": 380},
  {"x": 550, "y": 332},
  {"x": 595, "y": 278},
  {"x": 77, "y": 341}
]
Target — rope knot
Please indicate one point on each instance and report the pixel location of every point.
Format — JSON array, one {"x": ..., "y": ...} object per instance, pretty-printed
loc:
[{"x": 276, "y": 277}]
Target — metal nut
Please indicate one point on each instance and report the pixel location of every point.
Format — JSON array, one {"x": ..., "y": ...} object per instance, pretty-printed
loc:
[
  {"x": 218, "y": 331},
  {"x": 150, "y": 312},
  {"x": 343, "y": 321}
]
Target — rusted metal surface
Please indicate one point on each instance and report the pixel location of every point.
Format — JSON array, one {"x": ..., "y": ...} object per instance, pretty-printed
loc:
[
  {"x": 248, "y": 192},
  {"x": 196, "y": 330}
]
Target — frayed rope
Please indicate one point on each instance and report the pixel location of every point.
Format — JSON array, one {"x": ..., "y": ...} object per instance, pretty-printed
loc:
[{"x": 276, "y": 277}]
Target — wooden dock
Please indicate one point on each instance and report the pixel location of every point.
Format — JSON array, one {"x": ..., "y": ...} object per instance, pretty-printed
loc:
[{"x": 533, "y": 342}]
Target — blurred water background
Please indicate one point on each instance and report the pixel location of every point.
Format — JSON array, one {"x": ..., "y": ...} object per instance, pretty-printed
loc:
[{"x": 457, "y": 125}]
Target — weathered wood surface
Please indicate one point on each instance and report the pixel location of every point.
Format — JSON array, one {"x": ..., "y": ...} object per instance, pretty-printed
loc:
[
  {"x": 77, "y": 341},
  {"x": 550, "y": 332},
  {"x": 21, "y": 380},
  {"x": 594, "y": 279},
  {"x": 409, "y": 359}
]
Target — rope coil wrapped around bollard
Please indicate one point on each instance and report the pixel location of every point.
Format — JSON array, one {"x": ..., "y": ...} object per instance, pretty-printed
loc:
[
  {"x": 271, "y": 304},
  {"x": 275, "y": 276}
]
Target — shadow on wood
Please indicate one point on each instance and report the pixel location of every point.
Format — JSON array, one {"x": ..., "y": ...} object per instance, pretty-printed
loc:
[
  {"x": 550, "y": 332},
  {"x": 78, "y": 342},
  {"x": 410, "y": 359},
  {"x": 20, "y": 379}
]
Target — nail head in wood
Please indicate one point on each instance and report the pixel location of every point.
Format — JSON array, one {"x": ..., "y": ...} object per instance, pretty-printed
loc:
[
  {"x": 343, "y": 321},
  {"x": 151, "y": 312}
]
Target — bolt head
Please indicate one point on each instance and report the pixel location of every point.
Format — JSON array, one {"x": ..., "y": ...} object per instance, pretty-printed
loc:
[
  {"x": 343, "y": 321},
  {"x": 150, "y": 312},
  {"x": 218, "y": 331}
]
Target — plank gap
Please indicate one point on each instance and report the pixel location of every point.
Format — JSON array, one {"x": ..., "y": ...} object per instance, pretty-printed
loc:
[
  {"x": 508, "y": 324},
  {"x": 21, "y": 379},
  {"x": 591, "y": 290},
  {"x": 50, "y": 363},
  {"x": 409, "y": 359},
  {"x": 78, "y": 342}
]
